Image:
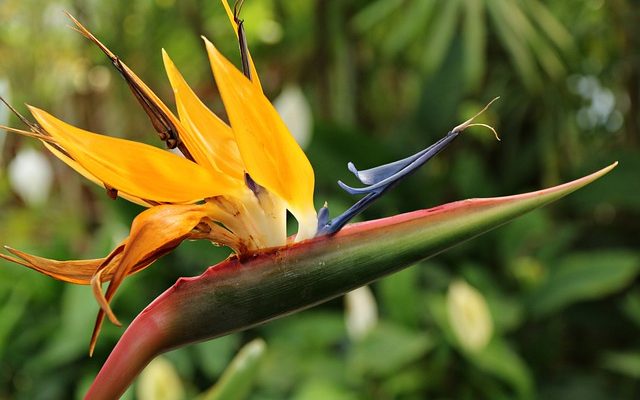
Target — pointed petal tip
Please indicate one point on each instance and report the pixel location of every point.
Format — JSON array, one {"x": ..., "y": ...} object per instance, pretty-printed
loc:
[
  {"x": 166, "y": 59},
  {"x": 169, "y": 65},
  {"x": 206, "y": 41},
  {"x": 35, "y": 111}
]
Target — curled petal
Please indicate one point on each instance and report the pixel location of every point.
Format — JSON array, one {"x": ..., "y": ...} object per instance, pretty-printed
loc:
[
  {"x": 137, "y": 169},
  {"x": 154, "y": 232},
  {"x": 271, "y": 155}
]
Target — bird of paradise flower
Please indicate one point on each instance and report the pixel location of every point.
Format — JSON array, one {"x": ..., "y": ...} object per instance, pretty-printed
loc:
[{"x": 232, "y": 186}]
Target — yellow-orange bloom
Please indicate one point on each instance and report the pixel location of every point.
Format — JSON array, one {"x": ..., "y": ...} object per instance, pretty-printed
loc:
[{"x": 233, "y": 187}]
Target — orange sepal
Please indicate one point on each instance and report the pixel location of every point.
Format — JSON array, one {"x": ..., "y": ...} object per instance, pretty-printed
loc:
[
  {"x": 270, "y": 153},
  {"x": 72, "y": 271},
  {"x": 203, "y": 128},
  {"x": 154, "y": 232},
  {"x": 137, "y": 169}
]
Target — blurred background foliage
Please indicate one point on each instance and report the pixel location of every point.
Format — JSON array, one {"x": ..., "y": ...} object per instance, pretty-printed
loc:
[{"x": 545, "y": 307}]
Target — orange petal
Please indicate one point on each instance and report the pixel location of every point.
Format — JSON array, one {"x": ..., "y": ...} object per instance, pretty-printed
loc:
[
  {"x": 254, "y": 74},
  {"x": 154, "y": 232},
  {"x": 79, "y": 272},
  {"x": 75, "y": 271},
  {"x": 134, "y": 168},
  {"x": 54, "y": 148},
  {"x": 82, "y": 171},
  {"x": 203, "y": 129},
  {"x": 271, "y": 155}
]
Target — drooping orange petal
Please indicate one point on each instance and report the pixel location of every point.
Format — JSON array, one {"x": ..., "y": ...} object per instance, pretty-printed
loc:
[
  {"x": 154, "y": 232},
  {"x": 205, "y": 130},
  {"x": 137, "y": 169},
  {"x": 271, "y": 155},
  {"x": 79, "y": 272},
  {"x": 74, "y": 271},
  {"x": 254, "y": 74}
]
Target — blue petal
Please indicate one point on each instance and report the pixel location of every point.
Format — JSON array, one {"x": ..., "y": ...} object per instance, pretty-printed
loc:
[
  {"x": 380, "y": 179},
  {"x": 374, "y": 175},
  {"x": 389, "y": 173}
]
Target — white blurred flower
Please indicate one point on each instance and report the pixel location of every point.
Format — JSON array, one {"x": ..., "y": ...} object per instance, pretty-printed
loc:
[
  {"x": 269, "y": 31},
  {"x": 31, "y": 176},
  {"x": 159, "y": 381},
  {"x": 469, "y": 316},
  {"x": 361, "y": 314},
  {"x": 99, "y": 78},
  {"x": 295, "y": 111}
]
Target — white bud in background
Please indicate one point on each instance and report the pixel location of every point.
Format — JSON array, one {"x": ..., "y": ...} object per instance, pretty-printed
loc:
[
  {"x": 469, "y": 316},
  {"x": 31, "y": 176},
  {"x": 295, "y": 111},
  {"x": 361, "y": 314},
  {"x": 269, "y": 31},
  {"x": 159, "y": 381}
]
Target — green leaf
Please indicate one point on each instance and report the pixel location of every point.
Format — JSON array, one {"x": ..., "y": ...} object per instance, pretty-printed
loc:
[
  {"x": 627, "y": 364},
  {"x": 300, "y": 346},
  {"x": 511, "y": 38},
  {"x": 387, "y": 349},
  {"x": 475, "y": 42},
  {"x": 238, "y": 294},
  {"x": 69, "y": 341},
  {"x": 440, "y": 36},
  {"x": 415, "y": 17},
  {"x": 214, "y": 355},
  {"x": 318, "y": 389},
  {"x": 236, "y": 380},
  {"x": 398, "y": 290},
  {"x": 501, "y": 361},
  {"x": 631, "y": 307},
  {"x": 550, "y": 25},
  {"x": 374, "y": 13},
  {"x": 584, "y": 276},
  {"x": 14, "y": 305}
]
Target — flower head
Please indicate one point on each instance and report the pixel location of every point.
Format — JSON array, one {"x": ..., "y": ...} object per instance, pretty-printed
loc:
[{"x": 232, "y": 185}]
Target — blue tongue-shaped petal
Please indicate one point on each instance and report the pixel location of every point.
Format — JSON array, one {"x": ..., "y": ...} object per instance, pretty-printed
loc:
[
  {"x": 382, "y": 178},
  {"x": 374, "y": 175},
  {"x": 378, "y": 178}
]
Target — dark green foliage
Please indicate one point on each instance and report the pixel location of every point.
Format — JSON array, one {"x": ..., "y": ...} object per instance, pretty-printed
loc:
[{"x": 385, "y": 78}]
